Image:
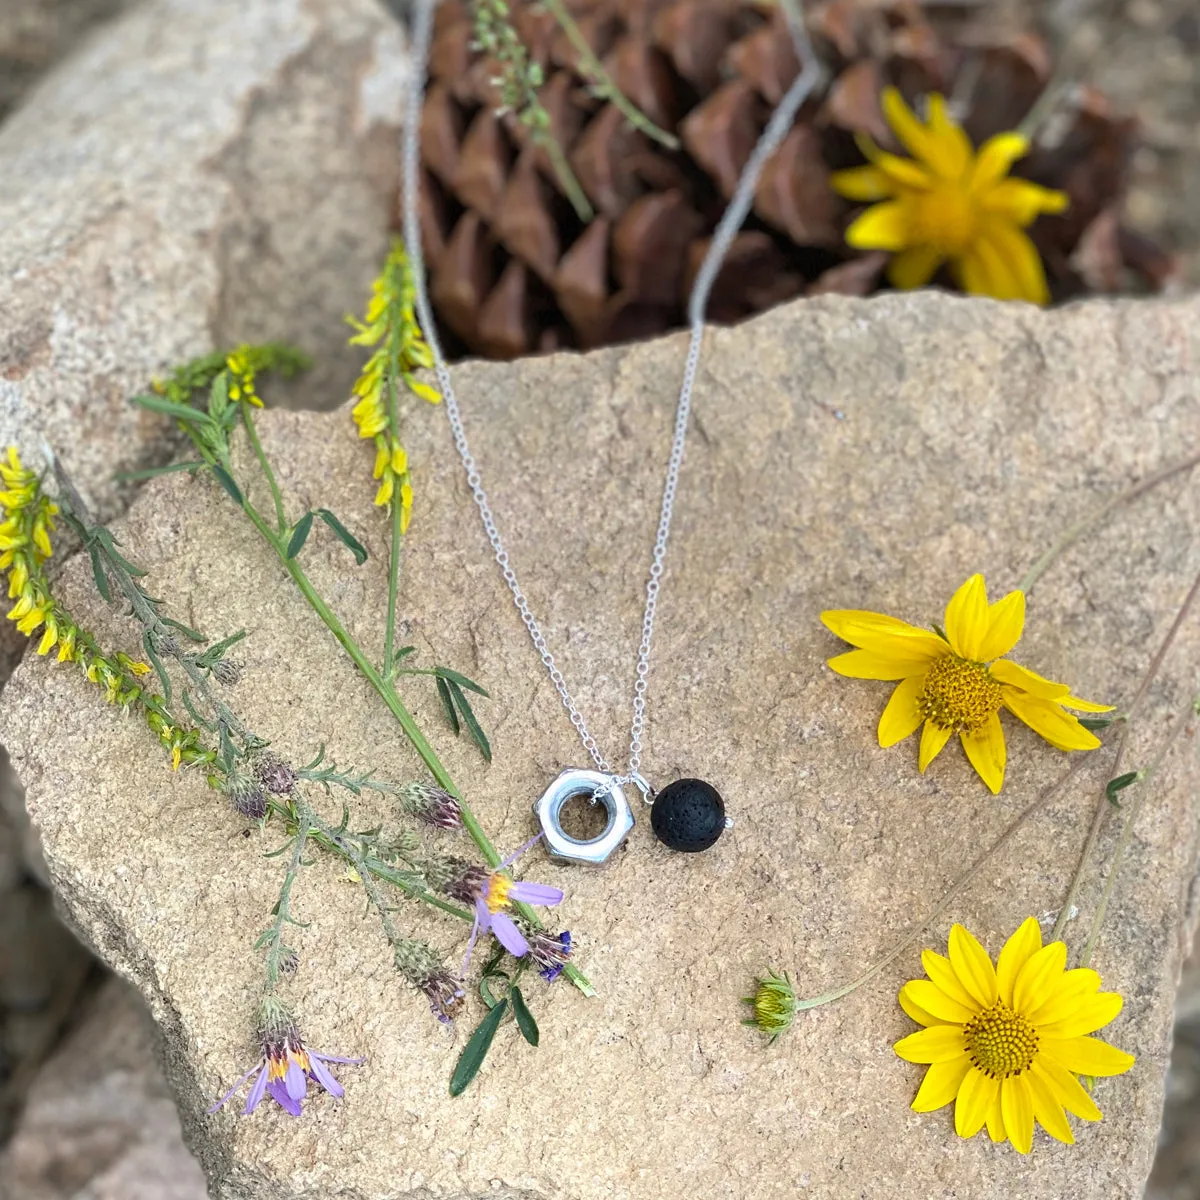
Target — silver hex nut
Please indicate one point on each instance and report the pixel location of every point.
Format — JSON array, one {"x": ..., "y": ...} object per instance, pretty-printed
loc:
[{"x": 600, "y": 787}]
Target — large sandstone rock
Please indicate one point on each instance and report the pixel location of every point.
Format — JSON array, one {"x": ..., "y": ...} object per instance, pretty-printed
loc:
[
  {"x": 196, "y": 174},
  {"x": 844, "y": 453}
]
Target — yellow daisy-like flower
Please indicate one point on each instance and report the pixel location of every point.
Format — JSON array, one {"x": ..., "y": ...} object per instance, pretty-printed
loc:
[
  {"x": 949, "y": 205},
  {"x": 958, "y": 680},
  {"x": 1005, "y": 1043}
]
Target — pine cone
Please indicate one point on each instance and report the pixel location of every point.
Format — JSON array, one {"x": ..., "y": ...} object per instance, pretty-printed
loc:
[{"x": 513, "y": 268}]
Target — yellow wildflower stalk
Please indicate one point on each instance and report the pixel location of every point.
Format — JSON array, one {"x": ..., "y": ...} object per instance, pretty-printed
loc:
[
  {"x": 26, "y": 522},
  {"x": 949, "y": 203},
  {"x": 390, "y": 325},
  {"x": 1005, "y": 1044},
  {"x": 957, "y": 681}
]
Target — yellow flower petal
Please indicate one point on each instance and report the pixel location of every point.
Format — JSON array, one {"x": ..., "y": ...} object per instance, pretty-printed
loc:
[
  {"x": 941, "y": 971},
  {"x": 1067, "y": 1090},
  {"x": 995, "y": 1122},
  {"x": 882, "y": 227},
  {"x": 1021, "y": 201},
  {"x": 906, "y": 176},
  {"x": 967, "y": 620},
  {"x": 940, "y": 1043},
  {"x": 1016, "y": 1102},
  {"x": 933, "y": 738},
  {"x": 987, "y": 752},
  {"x": 1047, "y": 1107},
  {"x": 1086, "y": 1055},
  {"x": 973, "y": 966},
  {"x": 1088, "y": 1014},
  {"x": 1039, "y": 977},
  {"x": 1023, "y": 261},
  {"x": 901, "y": 716},
  {"x": 1015, "y": 675},
  {"x": 1017, "y": 951},
  {"x": 914, "y": 267},
  {"x": 953, "y": 145},
  {"x": 861, "y": 183},
  {"x": 1060, "y": 729},
  {"x": 1065, "y": 996},
  {"x": 972, "y": 275},
  {"x": 920, "y": 141},
  {"x": 385, "y": 489},
  {"x": 995, "y": 158},
  {"x": 867, "y": 664},
  {"x": 941, "y": 1084},
  {"x": 931, "y": 999},
  {"x": 976, "y": 1095},
  {"x": 884, "y": 635},
  {"x": 1085, "y": 705},
  {"x": 425, "y": 391},
  {"x": 1006, "y": 621},
  {"x": 916, "y": 1012}
]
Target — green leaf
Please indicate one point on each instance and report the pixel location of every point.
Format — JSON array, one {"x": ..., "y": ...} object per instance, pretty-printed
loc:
[
  {"x": 196, "y": 716},
  {"x": 469, "y": 718},
  {"x": 1120, "y": 784},
  {"x": 475, "y": 1051},
  {"x": 403, "y": 652},
  {"x": 1096, "y": 724},
  {"x": 171, "y": 408},
  {"x": 226, "y": 481},
  {"x": 344, "y": 535},
  {"x": 448, "y": 704},
  {"x": 151, "y": 472},
  {"x": 525, "y": 1022},
  {"x": 461, "y": 680},
  {"x": 299, "y": 535},
  {"x": 99, "y": 575},
  {"x": 186, "y": 630},
  {"x": 216, "y": 652},
  {"x": 156, "y": 662},
  {"x": 218, "y": 394}
]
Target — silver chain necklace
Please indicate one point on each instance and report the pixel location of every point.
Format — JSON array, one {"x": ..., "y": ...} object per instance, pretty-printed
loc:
[{"x": 690, "y": 811}]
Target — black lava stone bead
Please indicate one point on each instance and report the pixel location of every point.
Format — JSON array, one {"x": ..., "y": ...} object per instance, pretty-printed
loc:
[{"x": 688, "y": 815}]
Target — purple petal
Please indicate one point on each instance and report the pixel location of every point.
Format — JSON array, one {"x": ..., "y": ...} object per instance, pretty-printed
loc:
[
  {"x": 295, "y": 1080},
  {"x": 321, "y": 1073},
  {"x": 508, "y": 935},
  {"x": 479, "y": 906},
  {"x": 512, "y": 858},
  {"x": 256, "y": 1092},
  {"x": 279, "y": 1092},
  {"x": 224, "y": 1099},
  {"x": 536, "y": 893}
]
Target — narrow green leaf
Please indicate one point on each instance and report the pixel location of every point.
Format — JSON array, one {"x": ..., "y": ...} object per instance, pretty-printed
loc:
[
  {"x": 186, "y": 630},
  {"x": 156, "y": 663},
  {"x": 1096, "y": 724},
  {"x": 485, "y": 988},
  {"x": 403, "y": 652},
  {"x": 299, "y": 535},
  {"x": 216, "y": 652},
  {"x": 475, "y": 1051},
  {"x": 461, "y": 680},
  {"x": 448, "y": 704},
  {"x": 172, "y": 408},
  {"x": 344, "y": 536},
  {"x": 469, "y": 719},
  {"x": 151, "y": 472},
  {"x": 226, "y": 481},
  {"x": 525, "y": 1022},
  {"x": 99, "y": 575},
  {"x": 218, "y": 394},
  {"x": 1120, "y": 784},
  {"x": 199, "y": 718}
]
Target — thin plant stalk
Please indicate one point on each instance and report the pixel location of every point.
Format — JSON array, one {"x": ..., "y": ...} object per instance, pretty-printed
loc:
[{"x": 951, "y": 893}]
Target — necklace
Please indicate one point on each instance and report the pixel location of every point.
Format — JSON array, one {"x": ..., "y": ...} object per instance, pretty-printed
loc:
[{"x": 688, "y": 814}]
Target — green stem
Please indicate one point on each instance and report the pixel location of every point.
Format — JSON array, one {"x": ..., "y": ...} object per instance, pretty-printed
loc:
[
  {"x": 950, "y": 894},
  {"x": 265, "y": 463},
  {"x": 283, "y": 908},
  {"x": 1093, "y": 519},
  {"x": 591, "y": 66}
]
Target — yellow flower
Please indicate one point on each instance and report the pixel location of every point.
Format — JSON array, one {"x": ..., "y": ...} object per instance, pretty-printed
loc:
[
  {"x": 1005, "y": 1043},
  {"x": 242, "y": 368},
  {"x": 959, "y": 680},
  {"x": 952, "y": 204}
]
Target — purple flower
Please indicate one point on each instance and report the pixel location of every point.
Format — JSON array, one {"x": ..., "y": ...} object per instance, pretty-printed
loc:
[
  {"x": 431, "y": 804},
  {"x": 446, "y": 995},
  {"x": 549, "y": 952},
  {"x": 495, "y": 892},
  {"x": 286, "y": 1064}
]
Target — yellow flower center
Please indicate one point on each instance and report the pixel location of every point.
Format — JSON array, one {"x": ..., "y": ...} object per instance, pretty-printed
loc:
[
  {"x": 1000, "y": 1042},
  {"x": 943, "y": 217},
  {"x": 497, "y": 892},
  {"x": 959, "y": 694}
]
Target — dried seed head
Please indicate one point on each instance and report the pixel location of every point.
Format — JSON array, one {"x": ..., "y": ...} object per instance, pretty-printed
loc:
[
  {"x": 275, "y": 775},
  {"x": 463, "y": 881},
  {"x": 247, "y": 797},
  {"x": 226, "y": 672},
  {"x": 289, "y": 960},
  {"x": 431, "y": 804}
]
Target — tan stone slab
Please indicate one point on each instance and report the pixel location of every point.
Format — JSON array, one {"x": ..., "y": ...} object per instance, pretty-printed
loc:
[{"x": 844, "y": 453}]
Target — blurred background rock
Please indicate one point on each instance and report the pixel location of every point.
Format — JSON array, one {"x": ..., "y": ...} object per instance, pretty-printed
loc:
[{"x": 84, "y": 1109}]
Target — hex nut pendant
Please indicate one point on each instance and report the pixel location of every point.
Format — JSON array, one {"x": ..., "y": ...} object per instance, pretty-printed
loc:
[{"x": 594, "y": 784}]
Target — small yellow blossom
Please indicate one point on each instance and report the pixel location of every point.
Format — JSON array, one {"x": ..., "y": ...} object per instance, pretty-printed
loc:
[
  {"x": 774, "y": 1004},
  {"x": 241, "y": 367},
  {"x": 1006, "y": 1043},
  {"x": 957, "y": 681},
  {"x": 952, "y": 204}
]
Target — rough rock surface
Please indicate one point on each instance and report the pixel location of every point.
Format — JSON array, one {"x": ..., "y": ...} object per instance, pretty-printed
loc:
[
  {"x": 100, "y": 1123},
  {"x": 196, "y": 173},
  {"x": 844, "y": 454}
]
